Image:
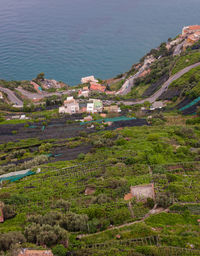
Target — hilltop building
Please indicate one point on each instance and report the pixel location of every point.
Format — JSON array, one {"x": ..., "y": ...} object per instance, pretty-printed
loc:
[
  {"x": 94, "y": 106},
  {"x": 71, "y": 106},
  {"x": 88, "y": 79}
]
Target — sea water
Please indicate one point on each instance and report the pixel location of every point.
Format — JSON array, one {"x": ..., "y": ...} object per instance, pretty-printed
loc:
[{"x": 70, "y": 39}]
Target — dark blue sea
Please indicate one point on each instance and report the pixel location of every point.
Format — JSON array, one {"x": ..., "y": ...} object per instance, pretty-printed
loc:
[{"x": 69, "y": 39}]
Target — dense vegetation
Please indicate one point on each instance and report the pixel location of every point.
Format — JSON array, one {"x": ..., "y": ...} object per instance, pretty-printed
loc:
[{"x": 86, "y": 195}]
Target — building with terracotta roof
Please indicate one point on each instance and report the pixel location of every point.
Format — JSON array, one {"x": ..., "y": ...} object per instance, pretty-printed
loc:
[
  {"x": 190, "y": 29},
  {"x": 36, "y": 87},
  {"x": 128, "y": 197},
  {"x": 193, "y": 38},
  {"x": 97, "y": 87},
  {"x": 30, "y": 252}
]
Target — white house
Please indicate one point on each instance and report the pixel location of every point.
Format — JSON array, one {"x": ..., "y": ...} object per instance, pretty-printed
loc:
[
  {"x": 88, "y": 79},
  {"x": 71, "y": 106},
  {"x": 94, "y": 106}
]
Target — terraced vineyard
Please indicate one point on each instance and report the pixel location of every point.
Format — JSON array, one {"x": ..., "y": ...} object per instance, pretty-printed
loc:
[{"x": 82, "y": 200}]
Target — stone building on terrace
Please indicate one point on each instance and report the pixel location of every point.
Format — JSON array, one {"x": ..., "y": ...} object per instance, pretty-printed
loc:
[{"x": 142, "y": 192}]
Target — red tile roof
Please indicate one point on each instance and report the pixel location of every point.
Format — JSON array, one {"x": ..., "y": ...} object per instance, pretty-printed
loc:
[
  {"x": 97, "y": 87},
  {"x": 128, "y": 196},
  {"x": 194, "y": 27}
]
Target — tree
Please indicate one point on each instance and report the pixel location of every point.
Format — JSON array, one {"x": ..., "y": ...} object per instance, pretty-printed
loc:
[
  {"x": 74, "y": 222},
  {"x": 40, "y": 77},
  {"x": 59, "y": 250},
  {"x": 8, "y": 212},
  {"x": 62, "y": 204},
  {"x": 45, "y": 234},
  {"x": 10, "y": 239}
]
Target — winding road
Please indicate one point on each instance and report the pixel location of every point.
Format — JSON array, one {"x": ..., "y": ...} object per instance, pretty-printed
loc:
[
  {"x": 18, "y": 103},
  {"x": 12, "y": 97},
  {"x": 164, "y": 87}
]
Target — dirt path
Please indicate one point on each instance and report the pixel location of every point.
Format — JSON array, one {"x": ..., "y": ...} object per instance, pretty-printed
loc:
[{"x": 153, "y": 211}]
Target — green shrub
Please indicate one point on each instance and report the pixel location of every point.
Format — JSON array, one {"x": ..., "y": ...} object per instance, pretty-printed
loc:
[
  {"x": 59, "y": 250},
  {"x": 74, "y": 222},
  {"x": 8, "y": 212},
  {"x": 9, "y": 239}
]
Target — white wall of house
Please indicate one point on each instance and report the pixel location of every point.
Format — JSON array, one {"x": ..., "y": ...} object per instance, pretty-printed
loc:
[{"x": 90, "y": 107}]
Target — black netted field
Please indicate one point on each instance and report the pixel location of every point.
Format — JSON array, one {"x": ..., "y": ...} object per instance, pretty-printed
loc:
[
  {"x": 55, "y": 129},
  {"x": 155, "y": 86}
]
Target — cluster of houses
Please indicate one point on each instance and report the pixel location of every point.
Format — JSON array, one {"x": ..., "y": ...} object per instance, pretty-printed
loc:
[
  {"x": 72, "y": 106},
  {"x": 189, "y": 36},
  {"x": 94, "y": 86}
]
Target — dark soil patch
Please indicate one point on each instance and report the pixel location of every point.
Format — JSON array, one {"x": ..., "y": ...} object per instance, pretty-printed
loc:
[
  {"x": 170, "y": 94},
  {"x": 183, "y": 103},
  {"x": 64, "y": 153},
  {"x": 154, "y": 87},
  {"x": 55, "y": 129},
  {"x": 129, "y": 123}
]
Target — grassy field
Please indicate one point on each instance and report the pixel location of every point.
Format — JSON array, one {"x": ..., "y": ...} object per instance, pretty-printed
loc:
[
  {"x": 189, "y": 83},
  {"x": 185, "y": 61}
]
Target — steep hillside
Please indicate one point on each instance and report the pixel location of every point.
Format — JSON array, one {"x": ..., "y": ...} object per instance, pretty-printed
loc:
[{"x": 123, "y": 183}]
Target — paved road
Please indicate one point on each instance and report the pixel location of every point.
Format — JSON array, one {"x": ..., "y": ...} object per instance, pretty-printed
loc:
[
  {"x": 32, "y": 95},
  {"x": 12, "y": 97},
  {"x": 126, "y": 87},
  {"x": 164, "y": 87}
]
